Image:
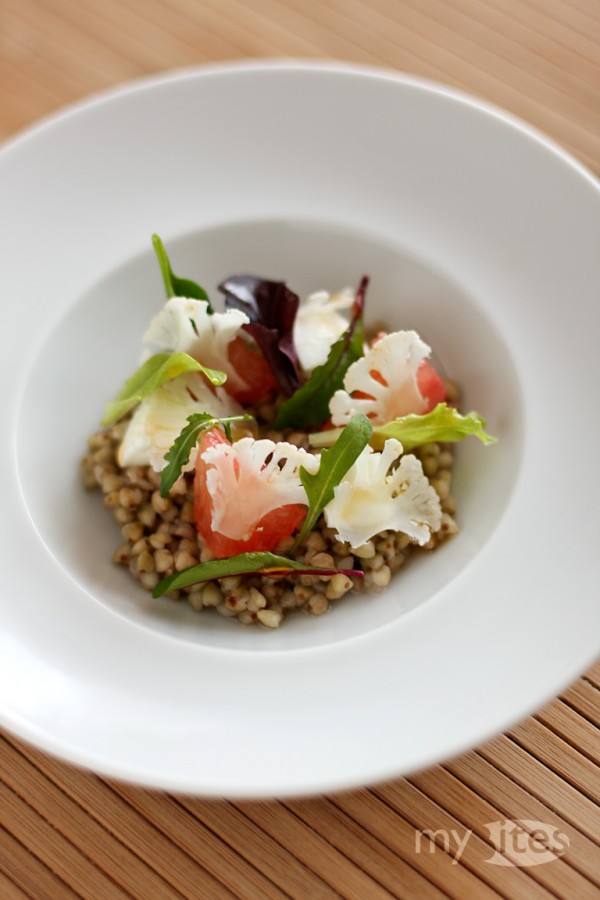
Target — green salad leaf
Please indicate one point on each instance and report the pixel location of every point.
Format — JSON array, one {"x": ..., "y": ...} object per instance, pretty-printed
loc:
[
  {"x": 265, "y": 563},
  {"x": 444, "y": 423},
  {"x": 242, "y": 564},
  {"x": 309, "y": 405},
  {"x": 334, "y": 464},
  {"x": 179, "y": 453},
  {"x": 174, "y": 286},
  {"x": 157, "y": 370}
]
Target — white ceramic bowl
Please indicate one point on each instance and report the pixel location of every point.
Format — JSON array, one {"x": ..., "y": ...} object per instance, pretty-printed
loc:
[{"x": 476, "y": 231}]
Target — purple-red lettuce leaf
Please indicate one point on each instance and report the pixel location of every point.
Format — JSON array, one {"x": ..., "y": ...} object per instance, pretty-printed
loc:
[{"x": 271, "y": 307}]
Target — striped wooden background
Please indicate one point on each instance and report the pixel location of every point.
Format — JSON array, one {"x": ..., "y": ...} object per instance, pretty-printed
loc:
[{"x": 68, "y": 833}]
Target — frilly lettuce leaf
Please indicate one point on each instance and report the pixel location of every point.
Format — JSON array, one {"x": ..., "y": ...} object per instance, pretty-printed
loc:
[
  {"x": 444, "y": 423},
  {"x": 157, "y": 370}
]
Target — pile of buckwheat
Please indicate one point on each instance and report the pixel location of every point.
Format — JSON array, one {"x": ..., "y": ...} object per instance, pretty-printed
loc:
[{"x": 159, "y": 536}]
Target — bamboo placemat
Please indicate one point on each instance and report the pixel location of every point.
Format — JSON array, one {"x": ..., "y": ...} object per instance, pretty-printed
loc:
[{"x": 68, "y": 833}]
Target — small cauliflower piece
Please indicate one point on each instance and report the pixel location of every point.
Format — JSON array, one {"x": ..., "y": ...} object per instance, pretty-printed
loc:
[
  {"x": 319, "y": 324},
  {"x": 250, "y": 478},
  {"x": 385, "y": 379},
  {"x": 159, "y": 419},
  {"x": 184, "y": 325},
  {"x": 371, "y": 498}
]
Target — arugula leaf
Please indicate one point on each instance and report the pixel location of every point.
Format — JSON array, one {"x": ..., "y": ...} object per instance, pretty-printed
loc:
[
  {"x": 179, "y": 453},
  {"x": 157, "y": 370},
  {"x": 271, "y": 307},
  {"x": 334, "y": 464},
  {"x": 174, "y": 286},
  {"x": 309, "y": 406},
  {"x": 242, "y": 564},
  {"x": 444, "y": 423}
]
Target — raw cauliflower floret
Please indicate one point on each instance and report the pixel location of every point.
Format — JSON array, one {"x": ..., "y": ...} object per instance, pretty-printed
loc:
[
  {"x": 159, "y": 419},
  {"x": 250, "y": 478},
  {"x": 318, "y": 325},
  {"x": 372, "y": 499},
  {"x": 386, "y": 377},
  {"x": 184, "y": 325}
]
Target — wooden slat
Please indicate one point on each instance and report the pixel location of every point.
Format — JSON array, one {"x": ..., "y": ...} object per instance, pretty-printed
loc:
[
  {"x": 543, "y": 783},
  {"x": 24, "y": 868},
  {"x": 253, "y": 844},
  {"x": 572, "y": 728},
  {"x": 377, "y": 860},
  {"x": 199, "y": 842},
  {"x": 427, "y": 816},
  {"x": 593, "y": 675},
  {"x": 23, "y": 101},
  {"x": 48, "y": 845},
  {"x": 394, "y": 831},
  {"x": 579, "y": 15},
  {"x": 9, "y": 890},
  {"x": 550, "y": 49},
  {"x": 560, "y": 757},
  {"x": 287, "y": 30},
  {"x": 99, "y": 800},
  {"x": 475, "y": 811},
  {"x": 511, "y": 56},
  {"x": 491, "y": 785},
  {"x": 207, "y": 29},
  {"x": 584, "y": 697},
  {"x": 314, "y": 852},
  {"x": 67, "y": 817},
  {"x": 513, "y": 33},
  {"x": 56, "y": 35}
]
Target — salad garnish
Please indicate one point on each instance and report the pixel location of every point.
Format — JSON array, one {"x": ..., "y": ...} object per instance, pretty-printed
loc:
[
  {"x": 179, "y": 454},
  {"x": 249, "y": 494},
  {"x": 384, "y": 383},
  {"x": 333, "y": 467},
  {"x": 271, "y": 310},
  {"x": 444, "y": 423},
  {"x": 174, "y": 286},
  {"x": 309, "y": 406},
  {"x": 385, "y": 491},
  {"x": 321, "y": 319},
  {"x": 268, "y": 457},
  {"x": 269, "y": 564},
  {"x": 185, "y": 325},
  {"x": 157, "y": 370}
]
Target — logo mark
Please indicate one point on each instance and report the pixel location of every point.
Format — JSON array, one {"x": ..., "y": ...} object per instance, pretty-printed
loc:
[
  {"x": 517, "y": 842},
  {"x": 525, "y": 842}
]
